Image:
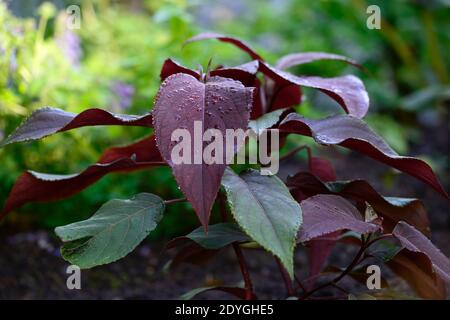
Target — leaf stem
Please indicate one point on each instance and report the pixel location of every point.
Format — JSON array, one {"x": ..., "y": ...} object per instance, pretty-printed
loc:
[
  {"x": 171, "y": 201},
  {"x": 287, "y": 280},
  {"x": 364, "y": 245},
  {"x": 237, "y": 250}
]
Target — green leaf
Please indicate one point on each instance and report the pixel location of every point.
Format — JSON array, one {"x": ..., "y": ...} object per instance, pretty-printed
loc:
[
  {"x": 266, "y": 211},
  {"x": 112, "y": 232},
  {"x": 266, "y": 121},
  {"x": 218, "y": 236}
]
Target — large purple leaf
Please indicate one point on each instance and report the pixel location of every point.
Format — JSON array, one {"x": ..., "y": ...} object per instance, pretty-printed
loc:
[
  {"x": 295, "y": 59},
  {"x": 238, "y": 43},
  {"x": 34, "y": 186},
  {"x": 413, "y": 240},
  {"x": 348, "y": 91},
  {"x": 47, "y": 121},
  {"x": 217, "y": 104},
  {"x": 324, "y": 214},
  {"x": 353, "y": 133},
  {"x": 391, "y": 209}
]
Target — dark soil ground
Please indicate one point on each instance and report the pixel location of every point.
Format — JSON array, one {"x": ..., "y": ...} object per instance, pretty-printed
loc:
[{"x": 31, "y": 268}]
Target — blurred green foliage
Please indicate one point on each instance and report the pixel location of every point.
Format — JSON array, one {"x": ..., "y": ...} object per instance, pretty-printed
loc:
[{"x": 113, "y": 61}]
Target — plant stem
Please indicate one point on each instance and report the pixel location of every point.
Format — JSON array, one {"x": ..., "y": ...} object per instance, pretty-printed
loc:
[
  {"x": 287, "y": 280},
  {"x": 342, "y": 275},
  {"x": 237, "y": 250},
  {"x": 171, "y": 201}
]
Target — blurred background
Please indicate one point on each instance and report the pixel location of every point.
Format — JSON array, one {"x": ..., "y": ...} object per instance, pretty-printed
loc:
[{"x": 113, "y": 61}]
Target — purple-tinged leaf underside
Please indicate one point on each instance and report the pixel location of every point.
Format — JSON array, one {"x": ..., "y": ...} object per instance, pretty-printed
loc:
[
  {"x": 219, "y": 104},
  {"x": 324, "y": 214},
  {"x": 295, "y": 59},
  {"x": 238, "y": 43},
  {"x": 47, "y": 121},
  {"x": 354, "y": 134},
  {"x": 348, "y": 91},
  {"x": 40, "y": 187},
  {"x": 414, "y": 241}
]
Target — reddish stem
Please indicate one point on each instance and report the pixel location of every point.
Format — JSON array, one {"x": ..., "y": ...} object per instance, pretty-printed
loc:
[
  {"x": 166, "y": 202},
  {"x": 287, "y": 280}
]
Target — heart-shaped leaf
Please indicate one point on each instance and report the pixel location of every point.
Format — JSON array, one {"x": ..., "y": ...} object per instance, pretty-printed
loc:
[
  {"x": 354, "y": 134},
  {"x": 34, "y": 186},
  {"x": 112, "y": 232},
  {"x": 183, "y": 102},
  {"x": 324, "y": 214},
  {"x": 415, "y": 241},
  {"x": 264, "y": 209},
  {"x": 47, "y": 121}
]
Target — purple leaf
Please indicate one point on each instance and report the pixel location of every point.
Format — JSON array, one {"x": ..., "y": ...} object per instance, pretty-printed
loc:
[
  {"x": 348, "y": 91},
  {"x": 324, "y": 214},
  {"x": 295, "y": 59},
  {"x": 413, "y": 240},
  {"x": 245, "y": 73},
  {"x": 47, "y": 121},
  {"x": 354, "y": 134},
  {"x": 391, "y": 209},
  {"x": 217, "y": 104},
  {"x": 34, "y": 186},
  {"x": 238, "y": 43}
]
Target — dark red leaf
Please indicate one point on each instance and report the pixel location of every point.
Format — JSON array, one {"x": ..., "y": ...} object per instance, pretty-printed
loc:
[
  {"x": 218, "y": 104},
  {"x": 348, "y": 91},
  {"x": 415, "y": 268},
  {"x": 245, "y": 73},
  {"x": 322, "y": 168},
  {"x": 171, "y": 67},
  {"x": 414, "y": 241},
  {"x": 34, "y": 186},
  {"x": 324, "y": 214},
  {"x": 354, "y": 134},
  {"x": 47, "y": 121},
  {"x": 391, "y": 209},
  {"x": 238, "y": 43},
  {"x": 190, "y": 253},
  {"x": 286, "y": 96},
  {"x": 295, "y": 59}
]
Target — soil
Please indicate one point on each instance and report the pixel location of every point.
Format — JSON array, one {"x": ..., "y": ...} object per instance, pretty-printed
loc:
[{"x": 31, "y": 268}]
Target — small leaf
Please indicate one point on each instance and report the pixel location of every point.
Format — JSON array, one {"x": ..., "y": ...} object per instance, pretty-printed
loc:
[
  {"x": 415, "y": 241},
  {"x": 324, "y": 214},
  {"x": 354, "y": 134},
  {"x": 384, "y": 250},
  {"x": 47, "y": 121},
  {"x": 295, "y": 59},
  {"x": 348, "y": 91},
  {"x": 416, "y": 269},
  {"x": 245, "y": 73},
  {"x": 264, "y": 209},
  {"x": 218, "y": 236},
  {"x": 112, "y": 232},
  {"x": 238, "y": 43},
  {"x": 34, "y": 186},
  {"x": 266, "y": 121},
  {"x": 184, "y": 102}
]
